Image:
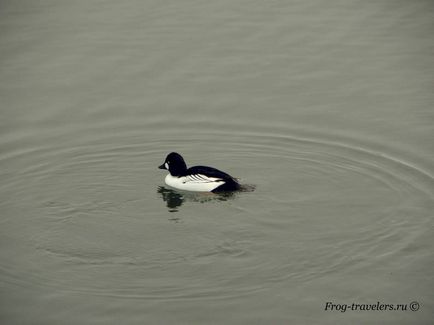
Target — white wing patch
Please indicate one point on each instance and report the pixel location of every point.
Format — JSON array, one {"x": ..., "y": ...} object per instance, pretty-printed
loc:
[{"x": 199, "y": 178}]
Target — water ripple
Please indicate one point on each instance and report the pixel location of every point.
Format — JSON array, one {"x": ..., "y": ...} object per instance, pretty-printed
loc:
[{"x": 321, "y": 206}]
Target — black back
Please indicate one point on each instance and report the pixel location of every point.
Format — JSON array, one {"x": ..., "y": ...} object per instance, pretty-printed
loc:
[
  {"x": 230, "y": 183},
  {"x": 209, "y": 171}
]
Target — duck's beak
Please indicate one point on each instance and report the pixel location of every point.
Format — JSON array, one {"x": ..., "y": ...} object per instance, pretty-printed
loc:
[{"x": 162, "y": 166}]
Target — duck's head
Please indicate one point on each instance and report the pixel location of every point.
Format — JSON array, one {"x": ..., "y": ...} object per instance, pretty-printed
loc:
[{"x": 175, "y": 164}]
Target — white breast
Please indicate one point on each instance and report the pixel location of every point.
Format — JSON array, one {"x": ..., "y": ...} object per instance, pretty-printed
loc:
[{"x": 197, "y": 183}]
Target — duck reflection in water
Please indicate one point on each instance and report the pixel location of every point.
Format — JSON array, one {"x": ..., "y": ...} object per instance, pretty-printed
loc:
[{"x": 175, "y": 199}]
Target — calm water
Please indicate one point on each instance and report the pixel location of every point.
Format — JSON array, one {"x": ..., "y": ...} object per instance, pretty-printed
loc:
[{"x": 326, "y": 107}]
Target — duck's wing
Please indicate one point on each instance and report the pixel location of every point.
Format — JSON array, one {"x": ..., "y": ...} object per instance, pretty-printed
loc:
[{"x": 204, "y": 174}]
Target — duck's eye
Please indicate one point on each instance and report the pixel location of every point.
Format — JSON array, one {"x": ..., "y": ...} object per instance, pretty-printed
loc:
[{"x": 166, "y": 164}]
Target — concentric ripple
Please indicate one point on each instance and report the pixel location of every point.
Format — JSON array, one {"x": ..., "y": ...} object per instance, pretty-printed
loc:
[{"x": 94, "y": 218}]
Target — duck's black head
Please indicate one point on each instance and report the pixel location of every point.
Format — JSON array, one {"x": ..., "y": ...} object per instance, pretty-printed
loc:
[{"x": 175, "y": 164}]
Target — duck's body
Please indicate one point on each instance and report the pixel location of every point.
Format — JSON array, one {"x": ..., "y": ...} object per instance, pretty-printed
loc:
[{"x": 197, "y": 178}]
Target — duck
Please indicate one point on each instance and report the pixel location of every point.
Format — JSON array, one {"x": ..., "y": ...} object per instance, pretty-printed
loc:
[{"x": 197, "y": 178}]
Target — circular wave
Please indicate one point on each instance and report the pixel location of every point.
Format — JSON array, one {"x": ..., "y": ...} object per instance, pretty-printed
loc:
[{"x": 93, "y": 226}]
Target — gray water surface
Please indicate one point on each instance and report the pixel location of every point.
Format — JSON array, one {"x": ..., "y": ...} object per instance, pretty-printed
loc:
[{"x": 325, "y": 108}]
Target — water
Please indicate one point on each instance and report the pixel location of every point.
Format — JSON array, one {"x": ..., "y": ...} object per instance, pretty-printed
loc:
[{"x": 325, "y": 107}]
